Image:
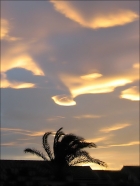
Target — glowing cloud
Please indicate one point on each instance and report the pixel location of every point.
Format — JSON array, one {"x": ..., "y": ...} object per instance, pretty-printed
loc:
[
  {"x": 121, "y": 145},
  {"x": 93, "y": 84},
  {"x": 8, "y": 144},
  {"x": 5, "y": 83},
  {"x": 95, "y": 140},
  {"x": 126, "y": 144},
  {"x": 4, "y": 28},
  {"x": 20, "y": 61},
  {"x": 120, "y": 17},
  {"x": 87, "y": 116},
  {"x": 17, "y": 55},
  {"x": 22, "y": 131},
  {"x": 115, "y": 127},
  {"x": 131, "y": 94},
  {"x": 91, "y": 76},
  {"x": 96, "y": 20},
  {"x": 63, "y": 100}
]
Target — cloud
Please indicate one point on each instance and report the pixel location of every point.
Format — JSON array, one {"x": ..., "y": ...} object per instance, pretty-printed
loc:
[
  {"x": 114, "y": 127},
  {"x": 100, "y": 19},
  {"x": 5, "y": 28},
  {"x": 87, "y": 116},
  {"x": 122, "y": 145},
  {"x": 126, "y": 144},
  {"x": 5, "y": 83},
  {"x": 55, "y": 118},
  {"x": 99, "y": 139},
  {"x": 16, "y": 56},
  {"x": 9, "y": 144},
  {"x": 91, "y": 76},
  {"x": 23, "y": 132},
  {"x": 131, "y": 94},
  {"x": 64, "y": 100},
  {"x": 93, "y": 84}
]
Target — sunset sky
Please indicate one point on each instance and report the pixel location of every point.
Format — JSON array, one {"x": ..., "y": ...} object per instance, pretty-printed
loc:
[{"x": 71, "y": 64}]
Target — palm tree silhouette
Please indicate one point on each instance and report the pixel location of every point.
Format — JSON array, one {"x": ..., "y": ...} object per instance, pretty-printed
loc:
[{"x": 67, "y": 151}]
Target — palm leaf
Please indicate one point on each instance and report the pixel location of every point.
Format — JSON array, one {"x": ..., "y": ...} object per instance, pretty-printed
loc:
[
  {"x": 46, "y": 145},
  {"x": 56, "y": 143},
  {"x": 36, "y": 152}
]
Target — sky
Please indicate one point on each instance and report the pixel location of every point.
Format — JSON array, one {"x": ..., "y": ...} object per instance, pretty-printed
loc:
[{"x": 71, "y": 64}]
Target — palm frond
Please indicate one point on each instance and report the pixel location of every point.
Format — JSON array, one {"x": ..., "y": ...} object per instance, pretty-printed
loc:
[
  {"x": 36, "y": 152},
  {"x": 56, "y": 143},
  {"x": 46, "y": 144},
  {"x": 83, "y": 156},
  {"x": 70, "y": 138},
  {"x": 77, "y": 161}
]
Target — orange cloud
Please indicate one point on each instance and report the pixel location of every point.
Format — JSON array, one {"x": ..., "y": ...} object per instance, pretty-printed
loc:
[
  {"x": 93, "y": 84},
  {"x": 126, "y": 144},
  {"x": 131, "y": 94},
  {"x": 4, "y": 28},
  {"x": 17, "y": 56},
  {"x": 95, "y": 140},
  {"x": 13, "y": 84},
  {"x": 63, "y": 100},
  {"x": 22, "y": 131},
  {"x": 122, "y": 145},
  {"x": 115, "y": 127},
  {"x": 19, "y": 59},
  {"x": 87, "y": 116},
  {"x": 9, "y": 144},
  {"x": 91, "y": 76},
  {"x": 96, "y": 20}
]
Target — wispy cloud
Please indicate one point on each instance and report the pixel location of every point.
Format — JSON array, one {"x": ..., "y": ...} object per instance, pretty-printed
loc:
[
  {"x": 121, "y": 145},
  {"x": 114, "y": 127},
  {"x": 131, "y": 94},
  {"x": 54, "y": 118},
  {"x": 110, "y": 18},
  {"x": 98, "y": 139},
  {"x": 87, "y": 116},
  {"x": 9, "y": 144},
  {"x": 23, "y": 132}
]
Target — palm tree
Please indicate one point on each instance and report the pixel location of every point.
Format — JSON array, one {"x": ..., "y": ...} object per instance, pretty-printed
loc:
[{"x": 67, "y": 151}]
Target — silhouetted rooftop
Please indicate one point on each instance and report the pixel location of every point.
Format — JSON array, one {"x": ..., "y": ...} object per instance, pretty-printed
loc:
[{"x": 15, "y": 172}]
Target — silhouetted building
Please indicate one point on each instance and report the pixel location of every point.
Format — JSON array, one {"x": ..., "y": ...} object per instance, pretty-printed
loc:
[{"x": 36, "y": 173}]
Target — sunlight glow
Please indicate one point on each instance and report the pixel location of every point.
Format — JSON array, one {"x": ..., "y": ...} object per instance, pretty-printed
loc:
[
  {"x": 120, "y": 17},
  {"x": 5, "y": 83},
  {"x": 101, "y": 20},
  {"x": 4, "y": 28},
  {"x": 131, "y": 94},
  {"x": 22, "y": 61},
  {"x": 91, "y": 76}
]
